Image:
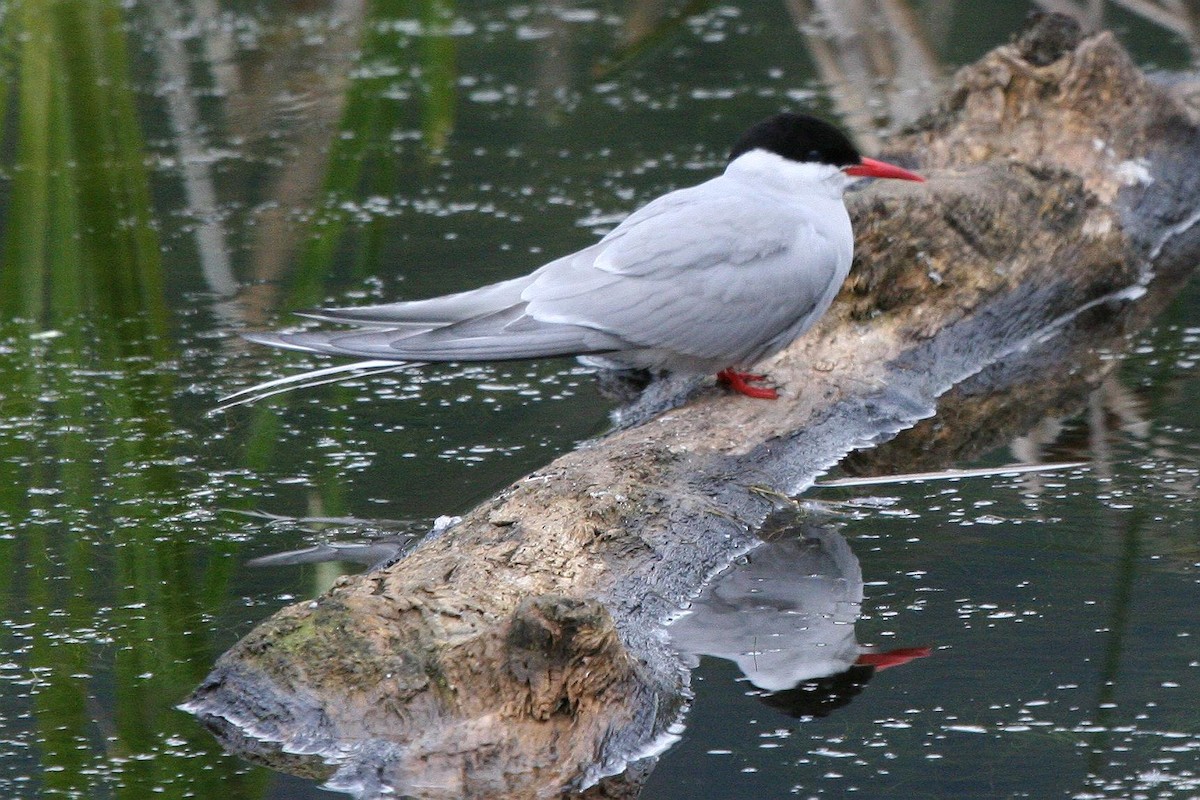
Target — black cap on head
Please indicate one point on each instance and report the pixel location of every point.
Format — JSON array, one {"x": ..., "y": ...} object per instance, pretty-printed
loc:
[
  {"x": 819, "y": 696},
  {"x": 801, "y": 138}
]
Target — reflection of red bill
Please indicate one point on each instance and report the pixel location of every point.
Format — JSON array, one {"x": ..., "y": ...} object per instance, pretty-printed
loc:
[{"x": 892, "y": 658}]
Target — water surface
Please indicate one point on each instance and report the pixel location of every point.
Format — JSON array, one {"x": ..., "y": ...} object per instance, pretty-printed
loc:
[{"x": 173, "y": 173}]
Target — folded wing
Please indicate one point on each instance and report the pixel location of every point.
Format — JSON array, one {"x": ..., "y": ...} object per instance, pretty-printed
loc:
[{"x": 694, "y": 273}]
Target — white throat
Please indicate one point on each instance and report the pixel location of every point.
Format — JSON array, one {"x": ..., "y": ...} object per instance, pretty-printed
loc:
[{"x": 770, "y": 169}]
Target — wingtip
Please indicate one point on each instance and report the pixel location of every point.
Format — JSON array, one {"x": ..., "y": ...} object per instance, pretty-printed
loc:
[
  {"x": 347, "y": 315},
  {"x": 285, "y": 341},
  {"x": 316, "y": 313}
]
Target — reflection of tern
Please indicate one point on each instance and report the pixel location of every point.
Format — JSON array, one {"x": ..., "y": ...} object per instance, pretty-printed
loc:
[
  {"x": 376, "y": 552},
  {"x": 786, "y": 617},
  {"x": 713, "y": 278}
]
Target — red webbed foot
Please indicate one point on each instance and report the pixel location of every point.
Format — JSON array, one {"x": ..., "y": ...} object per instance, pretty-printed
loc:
[{"x": 740, "y": 383}]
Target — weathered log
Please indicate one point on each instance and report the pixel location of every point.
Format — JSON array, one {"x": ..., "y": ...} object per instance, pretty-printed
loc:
[{"x": 518, "y": 654}]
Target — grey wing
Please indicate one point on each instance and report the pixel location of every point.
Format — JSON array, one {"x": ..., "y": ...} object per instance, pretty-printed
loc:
[
  {"x": 715, "y": 280},
  {"x": 434, "y": 311},
  {"x": 489, "y": 323},
  {"x": 697, "y": 273},
  {"x": 484, "y": 324}
]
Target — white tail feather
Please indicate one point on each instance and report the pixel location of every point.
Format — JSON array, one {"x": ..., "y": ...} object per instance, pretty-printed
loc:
[{"x": 309, "y": 379}]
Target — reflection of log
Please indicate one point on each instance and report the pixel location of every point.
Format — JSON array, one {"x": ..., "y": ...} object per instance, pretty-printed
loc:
[
  {"x": 1177, "y": 17},
  {"x": 517, "y": 654},
  {"x": 874, "y": 58},
  {"x": 318, "y": 86}
]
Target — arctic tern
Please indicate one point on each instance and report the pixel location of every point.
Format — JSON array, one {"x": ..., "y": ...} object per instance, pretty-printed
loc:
[{"x": 709, "y": 279}]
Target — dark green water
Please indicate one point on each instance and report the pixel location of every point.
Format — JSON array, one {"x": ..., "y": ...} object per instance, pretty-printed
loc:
[{"x": 175, "y": 172}]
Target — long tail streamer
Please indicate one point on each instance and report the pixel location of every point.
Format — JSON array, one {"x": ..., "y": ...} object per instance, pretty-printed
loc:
[{"x": 309, "y": 379}]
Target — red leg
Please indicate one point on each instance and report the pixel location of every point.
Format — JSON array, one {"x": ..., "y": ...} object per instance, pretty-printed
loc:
[{"x": 740, "y": 383}]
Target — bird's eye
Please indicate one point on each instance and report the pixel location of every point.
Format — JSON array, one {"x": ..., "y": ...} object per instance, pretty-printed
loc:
[{"x": 813, "y": 155}]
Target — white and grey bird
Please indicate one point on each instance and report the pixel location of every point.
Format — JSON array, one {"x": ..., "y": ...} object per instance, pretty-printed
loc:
[{"x": 708, "y": 279}]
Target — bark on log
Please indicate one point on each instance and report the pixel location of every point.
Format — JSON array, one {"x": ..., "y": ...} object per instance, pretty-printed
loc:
[{"x": 519, "y": 654}]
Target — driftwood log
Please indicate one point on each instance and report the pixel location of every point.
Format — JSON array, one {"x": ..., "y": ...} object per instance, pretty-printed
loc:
[{"x": 519, "y": 654}]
